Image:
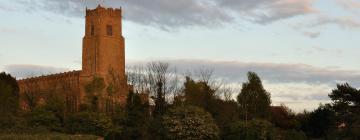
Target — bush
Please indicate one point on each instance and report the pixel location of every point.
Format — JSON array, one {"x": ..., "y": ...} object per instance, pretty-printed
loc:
[
  {"x": 88, "y": 123},
  {"x": 252, "y": 130},
  {"x": 189, "y": 122},
  {"x": 294, "y": 135},
  {"x": 43, "y": 118}
]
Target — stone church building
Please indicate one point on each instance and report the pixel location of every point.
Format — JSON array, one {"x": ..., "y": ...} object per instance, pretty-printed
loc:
[{"x": 103, "y": 57}]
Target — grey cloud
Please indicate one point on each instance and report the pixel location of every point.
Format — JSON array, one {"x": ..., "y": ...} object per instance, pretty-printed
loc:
[
  {"x": 268, "y": 11},
  {"x": 25, "y": 70},
  {"x": 184, "y": 13}
]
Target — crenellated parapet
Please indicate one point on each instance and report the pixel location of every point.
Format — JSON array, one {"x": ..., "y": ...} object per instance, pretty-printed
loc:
[
  {"x": 101, "y": 11},
  {"x": 52, "y": 82},
  {"x": 68, "y": 74}
]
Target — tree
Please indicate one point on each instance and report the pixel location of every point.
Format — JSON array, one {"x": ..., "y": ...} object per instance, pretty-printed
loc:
[
  {"x": 94, "y": 91},
  {"x": 9, "y": 94},
  {"x": 345, "y": 102},
  {"x": 189, "y": 123},
  {"x": 254, "y": 100},
  {"x": 200, "y": 94},
  {"x": 157, "y": 79},
  {"x": 137, "y": 118},
  {"x": 283, "y": 117},
  {"x": 319, "y": 122}
]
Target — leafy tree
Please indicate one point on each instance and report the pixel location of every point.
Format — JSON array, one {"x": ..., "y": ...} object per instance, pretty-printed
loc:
[
  {"x": 199, "y": 93},
  {"x": 94, "y": 91},
  {"x": 9, "y": 94},
  {"x": 319, "y": 122},
  {"x": 137, "y": 118},
  {"x": 254, "y": 100},
  {"x": 190, "y": 123},
  {"x": 345, "y": 102},
  {"x": 283, "y": 117},
  {"x": 55, "y": 103}
]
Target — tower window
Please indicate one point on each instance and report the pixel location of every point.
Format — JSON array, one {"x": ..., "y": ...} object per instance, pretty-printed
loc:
[
  {"x": 92, "y": 29},
  {"x": 109, "y": 30}
]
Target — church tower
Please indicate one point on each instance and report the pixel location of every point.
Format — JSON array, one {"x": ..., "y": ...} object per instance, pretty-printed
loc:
[
  {"x": 103, "y": 43},
  {"x": 103, "y": 52}
]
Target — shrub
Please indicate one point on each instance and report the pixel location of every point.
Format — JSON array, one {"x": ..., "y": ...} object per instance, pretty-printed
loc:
[
  {"x": 252, "y": 130},
  {"x": 189, "y": 122},
  {"x": 88, "y": 123},
  {"x": 43, "y": 118}
]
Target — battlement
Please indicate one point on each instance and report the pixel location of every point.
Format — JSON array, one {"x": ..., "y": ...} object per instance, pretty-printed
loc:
[
  {"x": 52, "y": 76},
  {"x": 103, "y": 11}
]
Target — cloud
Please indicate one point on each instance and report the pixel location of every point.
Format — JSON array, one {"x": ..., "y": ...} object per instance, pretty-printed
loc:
[
  {"x": 351, "y": 5},
  {"x": 184, "y": 13},
  {"x": 311, "y": 34},
  {"x": 342, "y": 22},
  {"x": 25, "y": 70},
  {"x": 268, "y": 11}
]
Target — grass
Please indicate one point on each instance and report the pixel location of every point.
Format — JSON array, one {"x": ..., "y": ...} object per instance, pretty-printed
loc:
[{"x": 47, "y": 136}]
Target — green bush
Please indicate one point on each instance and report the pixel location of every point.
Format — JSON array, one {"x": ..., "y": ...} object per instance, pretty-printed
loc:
[
  {"x": 189, "y": 122},
  {"x": 88, "y": 123},
  {"x": 252, "y": 130},
  {"x": 43, "y": 118}
]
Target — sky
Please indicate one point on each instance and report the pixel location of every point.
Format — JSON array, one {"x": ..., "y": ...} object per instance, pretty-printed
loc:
[{"x": 300, "y": 48}]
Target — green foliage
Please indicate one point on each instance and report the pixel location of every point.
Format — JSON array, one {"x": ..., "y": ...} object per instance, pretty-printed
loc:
[
  {"x": 137, "y": 118},
  {"x": 88, "y": 123},
  {"x": 41, "y": 117},
  {"x": 252, "y": 130},
  {"x": 94, "y": 90},
  {"x": 56, "y": 104},
  {"x": 96, "y": 86},
  {"x": 282, "y": 117},
  {"x": 189, "y": 122},
  {"x": 253, "y": 99},
  {"x": 9, "y": 94},
  {"x": 346, "y": 107},
  {"x": 202, "y": 95},
  {"x": 319, "y": 122},
  {"x": 346, "y": 103}
]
